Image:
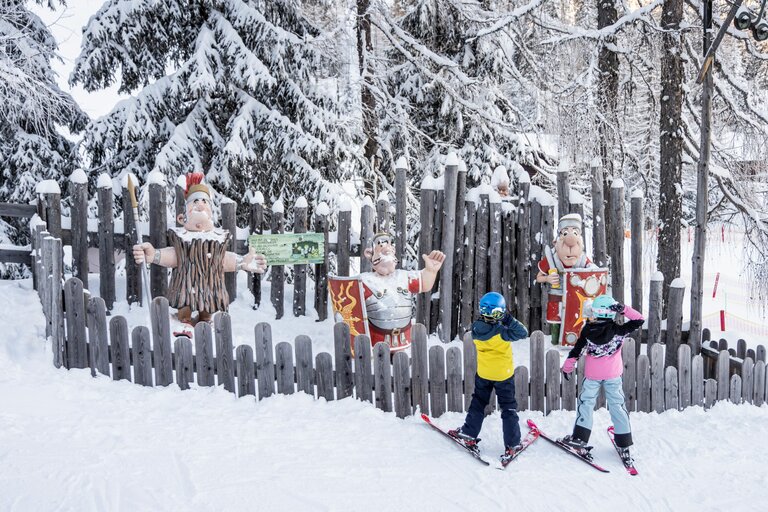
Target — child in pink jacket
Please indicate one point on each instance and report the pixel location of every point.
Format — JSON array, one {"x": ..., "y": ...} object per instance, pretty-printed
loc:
[{"x": 602, "y": 337}]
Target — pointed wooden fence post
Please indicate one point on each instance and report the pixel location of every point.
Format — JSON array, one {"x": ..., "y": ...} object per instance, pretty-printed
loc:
[
  {"x": 278, "y": 272},
  {"x": 256, "y": 225},
  {"x": 300, "y": 271},
  {"x": 451, "y": 177},
  {"x": 79, "y": 230},
  {"x": 228, "y": 222},
  {"x": 106, "y": 236},
  {"x": 321, "y": 270}
]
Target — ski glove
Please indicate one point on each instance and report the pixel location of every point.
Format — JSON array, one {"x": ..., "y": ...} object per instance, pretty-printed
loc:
[
  {"x": 618, "y": 307},
  {"x": 569, "y": 366}
]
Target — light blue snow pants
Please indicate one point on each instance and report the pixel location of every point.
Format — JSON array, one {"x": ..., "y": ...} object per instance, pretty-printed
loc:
[{"x": 614, "y": 396}]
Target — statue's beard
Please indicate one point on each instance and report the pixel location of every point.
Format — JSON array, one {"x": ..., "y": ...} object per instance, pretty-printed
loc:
[{"x": 384, "y": 258}]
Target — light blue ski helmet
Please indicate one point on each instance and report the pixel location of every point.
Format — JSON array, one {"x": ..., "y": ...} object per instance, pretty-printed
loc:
[
  {"x": 493, "y": 305},
  {"x": 601, "y": 307}
]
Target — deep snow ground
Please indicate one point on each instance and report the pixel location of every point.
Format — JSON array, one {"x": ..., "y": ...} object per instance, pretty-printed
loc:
[{"x": 72, "y": 442}]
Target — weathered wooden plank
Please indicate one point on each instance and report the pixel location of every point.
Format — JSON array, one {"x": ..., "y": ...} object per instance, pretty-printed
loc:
[
  {"x": 684, "y": 375},
  {"x": 563, "y": 191},
  {"x": 747, "y": 379},
  {"x": 246, "y": 383},
  {"x": 142, "y": 356},
  {"x": 437, "y": 380},
  {"x": 547, "y": 235},
  {"x": 50, "y": 208},
  {"x": 300, "y": 271},
  {"x": 225, "y": 361},
  {"x": 324, "y": 365},
  {"x": 468, "y": 275},
  {"x": 106, "y": 246},
  {"x": 402, "y": 385},
  {"x": 420, "y": 368},
  {"x": 671, "y": 399},
  {"x": 481, "y": 247},
  {"x": 470, "y": 368},
  {"x": 228, "y": 222},
  {"x": 383, "y": 219},
  {"x": 697, "y": 380},
  {"x": 537, "y": 371},
  {"x": 643, "y": 384},
  {"x": 629, "y": 379},
  {"x": 17, "y": 210},
  {"x": 121, "y": 359},
  {"x": 437, "y": 232},
  {"x": 321, "y": 269},
  {"x": 204, "y": 359},
  {"x": 21, "y": 255},
  {"x": 448, "y": 246},
  {"x": 735, "y": 389},
  {"x": 304, "y": 378},
  {"x": 343, "y": 357},
  {"x": 523, "y": 270},
  {"x": 427, "y": 219},
  {"x": 58, "y": 344},
  {"x": 363, "y": 373},
  {"x": 760, "y": 353},
  {"x": 382, "y": 370},
  {"x": 161, "y": 342},
  {"x": 158, "y": 237},
  {"x": 367, "y": 218},
  {"x": 133, "y": 284},
  {"x": 98, "y": 337},
  {"x": 277, "y": 286},
  {"x": 655, "y": 306},
  {"x": 674, "y": 320},
  {"x": 494, "y": 246},
  {"x": 553, "y": 381},
  {"x": 458, "y": 252},
  {"x": 710, "y": 393},
  {"x": 79, "y": 218},
  {"x": 535, "y": 243},
  {"x": 636, "y": 249},
  {"x": 343, "y": 241},
  {"x": 77, "y": 348},
  {"x": 265, "y": 368},
  {"x": 616, "y": 239},
  {"x": 401, "y": 210},
  {"x": 657, "y": 378},
  {"x": 521, "y": 388},
  {"x": 723, "y": 374},
  {"x": 454, "y": 373},
  {"x": 508, "y": 257},
  {"x": 759, "y": 384},
  {"x": 184, "y": 370},
  {"x": 256, "y": 225},
  {"x": 284, "y": 368},
  {"x": 741, "y": 349}
]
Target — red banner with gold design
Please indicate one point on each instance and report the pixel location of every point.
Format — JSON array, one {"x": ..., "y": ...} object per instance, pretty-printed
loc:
[
  {"x": 580, "y": 286},
  {"x": 348, "y": 303}
]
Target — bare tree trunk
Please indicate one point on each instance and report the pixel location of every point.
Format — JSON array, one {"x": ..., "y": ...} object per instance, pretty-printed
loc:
[
  {"x": 367, "y": 99},
  {"x": 607, "y": 97},
  {"x": 671, "y": 143},
  {"x": 702, "y": 189}
]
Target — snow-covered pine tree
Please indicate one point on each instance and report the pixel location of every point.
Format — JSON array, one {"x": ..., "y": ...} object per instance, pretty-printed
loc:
[
  {"x": 456, "y": 76},
  {"x": 32, "y": 108},
  {"x": 237, "y": 89}
]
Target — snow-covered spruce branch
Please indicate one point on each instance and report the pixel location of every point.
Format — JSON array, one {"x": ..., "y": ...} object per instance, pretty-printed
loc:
[{"x": 508, "y": 19}]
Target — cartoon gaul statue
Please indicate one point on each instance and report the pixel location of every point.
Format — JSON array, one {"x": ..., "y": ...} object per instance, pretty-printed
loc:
[
  {"x": 387, "y": 293},
  {"x": 573, "y": 280},
  {"x": 198, "y": 256}
]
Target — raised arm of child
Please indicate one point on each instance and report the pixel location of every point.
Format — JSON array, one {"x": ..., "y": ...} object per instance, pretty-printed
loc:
[{"x": 512, "y": 329}]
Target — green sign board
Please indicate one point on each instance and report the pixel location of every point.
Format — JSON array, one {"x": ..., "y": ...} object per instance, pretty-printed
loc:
[{"x": 289, "y": 248}]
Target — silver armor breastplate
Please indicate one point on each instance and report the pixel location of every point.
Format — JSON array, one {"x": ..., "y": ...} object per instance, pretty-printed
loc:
[{"x": 389, "y": 306}]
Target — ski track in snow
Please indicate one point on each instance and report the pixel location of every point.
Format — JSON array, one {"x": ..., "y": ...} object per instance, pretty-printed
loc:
[{"x": 72, "y": 442}]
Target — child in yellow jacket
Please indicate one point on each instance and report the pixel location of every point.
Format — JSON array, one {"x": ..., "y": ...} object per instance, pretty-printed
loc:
[{"x": 493, "y": 335}]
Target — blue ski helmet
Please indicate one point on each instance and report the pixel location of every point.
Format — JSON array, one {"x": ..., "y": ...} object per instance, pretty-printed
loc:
[
  {"x": 601, "y": 307},
  {"x": 493, "y": 306}
]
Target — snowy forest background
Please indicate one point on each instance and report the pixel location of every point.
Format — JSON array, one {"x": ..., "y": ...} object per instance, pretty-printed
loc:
[{"x": 297, "y": 97}]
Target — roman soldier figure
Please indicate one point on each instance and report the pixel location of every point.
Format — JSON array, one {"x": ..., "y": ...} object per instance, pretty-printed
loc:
[{"x": 388, "y": 291}]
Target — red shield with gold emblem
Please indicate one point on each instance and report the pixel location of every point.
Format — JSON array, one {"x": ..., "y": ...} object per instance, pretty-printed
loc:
[
  {"x": 348, "y": 303},
  {"x": 580, "y": 286}
]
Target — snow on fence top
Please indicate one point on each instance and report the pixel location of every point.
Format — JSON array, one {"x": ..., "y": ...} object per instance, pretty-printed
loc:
[
  {"x": 383, "y": 196},
  {"x": 402, "y": 163},
  {"x": 657, "y": 276},
  {"x": 104, "y": 181},
  {"x": 345, "y": 204},
  {"x": 452, "y": 159},
  {"x": 79, "y": 177},
  {"x": 428, "y": 183},
  {"x": 301, "y": 202},
  {"x": 323, "y": 209},
  {"x": 678, "y": 282},
  {"x": 181, "y": 181},
  {"x": 278, "y": 207},
  {"x": 499, "y": 176},
  {"x": 156, "y": 177},
  {"x": 48, "y": 187},
  {"x": 255, "y": 197},
  {"x": 124, "y": 180},
  {"x": 617, "y": 183},
  {"x": 538, "y": 194},
  {"x": 637, "y": 192}
]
